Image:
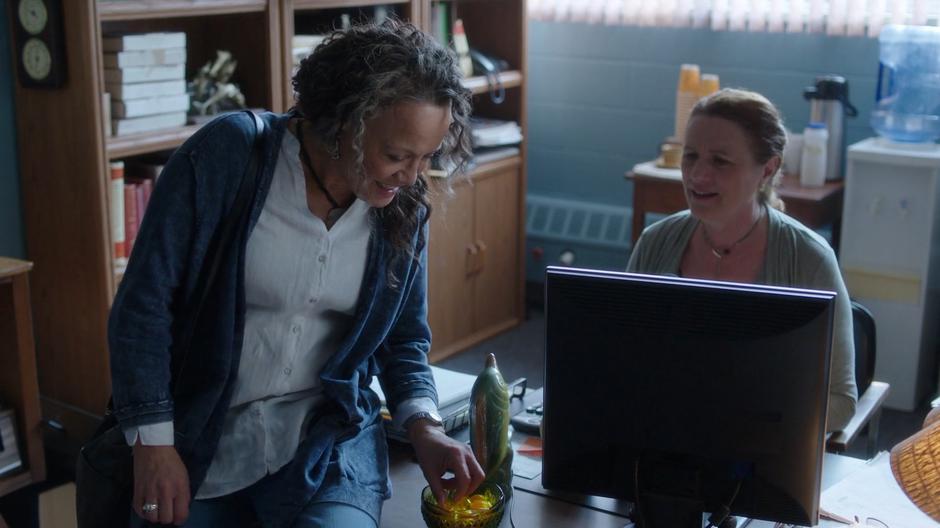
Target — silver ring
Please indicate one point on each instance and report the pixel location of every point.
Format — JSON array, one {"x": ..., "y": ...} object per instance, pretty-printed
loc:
[{"x": 149, "y": 507}]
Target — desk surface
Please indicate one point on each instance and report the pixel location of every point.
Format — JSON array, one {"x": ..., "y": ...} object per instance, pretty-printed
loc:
[
  {"x": 789, "y": 185},
  {"x": 535, "y": 506},
  {"x": 659, "y": 190}
]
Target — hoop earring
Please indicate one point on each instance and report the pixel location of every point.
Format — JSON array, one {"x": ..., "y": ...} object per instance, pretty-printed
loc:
[{"x": 334, "y": 150}]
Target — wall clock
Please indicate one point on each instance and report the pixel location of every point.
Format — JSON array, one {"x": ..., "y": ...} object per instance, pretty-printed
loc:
[{"x": 39, "y": 41}]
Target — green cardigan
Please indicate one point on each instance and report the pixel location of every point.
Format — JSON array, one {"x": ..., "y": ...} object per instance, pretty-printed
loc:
[{"x": 797, "y": 257}]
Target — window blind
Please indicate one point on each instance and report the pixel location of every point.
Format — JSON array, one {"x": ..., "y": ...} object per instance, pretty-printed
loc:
[{"x": 832, "y": 17}]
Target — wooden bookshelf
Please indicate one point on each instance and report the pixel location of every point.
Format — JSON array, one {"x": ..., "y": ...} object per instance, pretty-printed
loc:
[
  {"x": 135, "y": 144},
  {"x": 65, "y": 188},
  {"x": 18, "y": 384},
  {"x": 480, "y": 84}
]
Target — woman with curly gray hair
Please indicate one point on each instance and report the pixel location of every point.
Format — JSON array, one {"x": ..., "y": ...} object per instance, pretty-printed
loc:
[{"x": 274, "y": 421}]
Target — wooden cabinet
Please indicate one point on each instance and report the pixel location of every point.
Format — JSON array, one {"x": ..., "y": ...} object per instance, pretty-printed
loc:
[
  {"x": 18, "y": 386},
  {"x": 64, "y": 155},
  {"x": 475, "y": 253}
]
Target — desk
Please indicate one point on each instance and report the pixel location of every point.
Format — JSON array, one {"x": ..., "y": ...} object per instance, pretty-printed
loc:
[
  {"x": 535, "y": 506},
  {"x": 530, "y": 509},
  {"x": 657, "y": 190}
]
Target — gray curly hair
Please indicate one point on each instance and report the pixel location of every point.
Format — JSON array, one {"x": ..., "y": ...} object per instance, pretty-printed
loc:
[{"x": 356, "y": 73}]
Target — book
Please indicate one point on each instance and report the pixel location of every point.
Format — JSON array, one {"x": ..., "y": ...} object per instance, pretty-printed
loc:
[
  {"x": 116, "y": 196},
  {"x": 453, "y": 401},
  {"x": 302, "y": 46},
  {"x": 152, "y": 57},
  {"x": 136, "y": 125},
  {"x": 146, "y": 189},
  {"x": 130, "y": 216},
  {"x": 494, "y": 132},
  {"x": 125, "y": 92},
  {"x": 491, "y": 154},
  {"x": 145, "y": 169},
  {"x": 10, "y": 459},
  {"x": 140, "y": 196},
  {"x": 143, "y": 41},
  {"x": 144, "y": 74},
  {"x": 440, "y": 22},
  {"x": 150, "y": 106}
]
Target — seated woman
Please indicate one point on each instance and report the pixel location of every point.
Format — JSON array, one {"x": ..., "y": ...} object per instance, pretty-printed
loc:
[{"x": 735, "y": 229}]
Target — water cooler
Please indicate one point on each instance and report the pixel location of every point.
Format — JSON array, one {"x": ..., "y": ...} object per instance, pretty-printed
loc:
[{"x": 890, "y": 258}]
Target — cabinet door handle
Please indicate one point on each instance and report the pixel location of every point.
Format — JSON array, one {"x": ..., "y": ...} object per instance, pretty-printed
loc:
[
  {"x": 470, "y": 260},
  {"x": 481, "y": 258}
]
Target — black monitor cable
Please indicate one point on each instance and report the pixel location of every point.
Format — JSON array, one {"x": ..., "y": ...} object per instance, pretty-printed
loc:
[
  {"x": 719, "y": 516},
  {"x": 637, "y": 509}
]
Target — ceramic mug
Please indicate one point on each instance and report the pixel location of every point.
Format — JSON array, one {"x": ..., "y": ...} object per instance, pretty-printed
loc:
[{"x": 670, "y": 153}]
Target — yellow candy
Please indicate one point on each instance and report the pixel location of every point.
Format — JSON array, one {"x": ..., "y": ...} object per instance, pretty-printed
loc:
[{"x": 469, "y": 506}]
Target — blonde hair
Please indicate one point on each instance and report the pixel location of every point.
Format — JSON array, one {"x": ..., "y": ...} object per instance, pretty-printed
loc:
[{"x": 762, "y": 124}]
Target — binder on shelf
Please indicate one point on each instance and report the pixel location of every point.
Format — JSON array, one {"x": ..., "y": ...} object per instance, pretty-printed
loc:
[
  {"x": 153, "y": 57},
  {"x": 143, "y": 41},
  {"x": 453, "y": 395},
  {"x": 150, "y": 106}
]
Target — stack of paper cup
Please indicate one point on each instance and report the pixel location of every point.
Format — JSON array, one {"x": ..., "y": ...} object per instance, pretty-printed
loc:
[{"x": 687, "y": 94}]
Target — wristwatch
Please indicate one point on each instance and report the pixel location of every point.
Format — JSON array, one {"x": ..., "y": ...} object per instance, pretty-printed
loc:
[{"x": 431, "y": 416}]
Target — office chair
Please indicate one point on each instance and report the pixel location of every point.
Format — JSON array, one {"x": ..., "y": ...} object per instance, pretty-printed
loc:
[{"x": 872, "y": 394}]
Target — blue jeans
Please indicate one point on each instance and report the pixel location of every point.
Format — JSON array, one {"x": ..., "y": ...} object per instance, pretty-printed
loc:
[{"x": 233, "y": 512}]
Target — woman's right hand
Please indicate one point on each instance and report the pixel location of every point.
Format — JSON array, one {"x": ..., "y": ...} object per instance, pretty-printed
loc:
[{"x": 160, "y": 478}]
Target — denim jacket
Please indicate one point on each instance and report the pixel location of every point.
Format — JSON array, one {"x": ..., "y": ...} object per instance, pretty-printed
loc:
[{"x": 344, "y": 450}]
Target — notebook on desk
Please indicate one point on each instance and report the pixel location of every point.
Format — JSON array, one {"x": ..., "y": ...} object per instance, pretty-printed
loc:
[{"x": 453, "y": 397}]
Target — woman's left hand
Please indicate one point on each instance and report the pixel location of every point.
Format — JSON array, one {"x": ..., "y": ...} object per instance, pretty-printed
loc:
[{"x": 437, "y": 454}]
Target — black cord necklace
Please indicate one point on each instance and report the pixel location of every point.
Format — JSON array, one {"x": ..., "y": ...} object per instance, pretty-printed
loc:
[
  {"x": 305, "y": 158},
  {"x": 721, "y": 253}
]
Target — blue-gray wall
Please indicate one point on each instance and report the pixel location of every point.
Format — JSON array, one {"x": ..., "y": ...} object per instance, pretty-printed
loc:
[
  {"x": 11, "y": 222},
  {"x": 602, "y": 98}
]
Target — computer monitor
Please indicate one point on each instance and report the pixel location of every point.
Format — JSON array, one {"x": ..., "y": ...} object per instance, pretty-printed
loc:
[{"x": 685, "y": 396}]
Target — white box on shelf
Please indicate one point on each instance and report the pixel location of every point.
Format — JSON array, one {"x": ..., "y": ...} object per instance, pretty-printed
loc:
[
  {"x": 144, "y": 74},
  {"x": 124, "y": 92},
  {"x": 150, "y": 106},
  {"x": 143, "y": 41},
  {"x": 155, "y": 57},
  {"x": 135, "y": 125}
]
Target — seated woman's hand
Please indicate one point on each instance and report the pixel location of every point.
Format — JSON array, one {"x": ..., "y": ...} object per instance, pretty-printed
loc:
[{"x": 438, "y": 454}]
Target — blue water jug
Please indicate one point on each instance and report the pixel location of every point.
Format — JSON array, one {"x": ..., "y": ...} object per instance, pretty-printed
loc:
[{"x": 908, "y": 93}]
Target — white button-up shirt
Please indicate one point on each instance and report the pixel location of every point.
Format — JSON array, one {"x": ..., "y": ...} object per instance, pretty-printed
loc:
[{"x": 302, "y": 285}]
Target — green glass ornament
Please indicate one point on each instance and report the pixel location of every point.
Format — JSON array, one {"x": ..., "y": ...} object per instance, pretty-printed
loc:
[{"x": 490, "y": 437}]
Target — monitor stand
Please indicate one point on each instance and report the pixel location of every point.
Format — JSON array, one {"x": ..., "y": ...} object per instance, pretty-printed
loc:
[{"x": 666, "y": 511}]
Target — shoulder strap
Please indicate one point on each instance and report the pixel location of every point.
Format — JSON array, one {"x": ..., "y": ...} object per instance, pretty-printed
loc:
[{"x": 225, "y": 235}]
